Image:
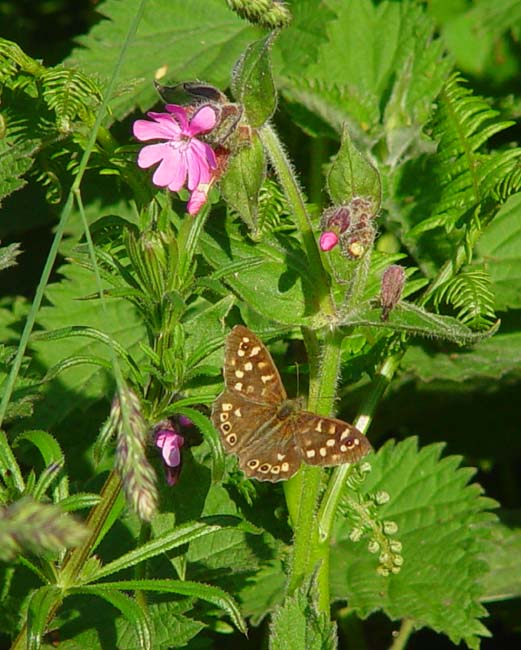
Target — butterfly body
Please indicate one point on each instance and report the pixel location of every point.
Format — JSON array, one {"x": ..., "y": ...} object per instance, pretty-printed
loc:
[{"x": 271, "y": 434}]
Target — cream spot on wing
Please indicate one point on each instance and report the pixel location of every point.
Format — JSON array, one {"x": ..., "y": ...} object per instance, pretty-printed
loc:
[
  {"x": 240, "y": 353},
  {"x": 227, "y": 407},
  {"x": 345, "y": 434},
  {"x": 281, "y": 456},
  {"x": 356, "y": 441},
  {"x": 262, "y": 365},
  {"x": 310, "y": 453},
  {"x": 266, "y": 378},
  {"x": 248, "y": 366},
  {"x": 238, "y": 413},
  {"x": 323, "y": 452},
  {"x": 224, "y": 416},
  {"x": 239, "y": 374},
  {"x": 233, "y": 362},
  {"x": 319, "y": 426},
  {"x": 250, "y": 389},
  {"x": 331, "y": 428},
  {"x": 238, "y": 385},
  {"x": 343, "y": 448},
  {"x": 335, "y": 457},
  {"x": 245, "y": 339},
  {"x": 284, "y": 467},
  {"x": 331, "y": 442},
  {"x": 275, "y": 469},
  {"x": 255, "y": 350}
]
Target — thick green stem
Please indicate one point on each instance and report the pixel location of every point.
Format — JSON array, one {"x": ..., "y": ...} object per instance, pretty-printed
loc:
[{"x": 310, "y": 553}]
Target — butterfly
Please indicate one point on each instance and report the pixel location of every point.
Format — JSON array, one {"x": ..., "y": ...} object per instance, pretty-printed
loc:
[{"x": 270, "y": 434}]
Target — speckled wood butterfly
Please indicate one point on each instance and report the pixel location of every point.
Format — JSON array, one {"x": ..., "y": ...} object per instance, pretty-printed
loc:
[{"x": 270, "y": 434}]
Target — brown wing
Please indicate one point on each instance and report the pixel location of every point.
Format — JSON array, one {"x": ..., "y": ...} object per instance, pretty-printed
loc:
[
  {"x": 327, "y": 441},
  {"x": 262, "y": 441},
  {"x": 249, "y": 369}
]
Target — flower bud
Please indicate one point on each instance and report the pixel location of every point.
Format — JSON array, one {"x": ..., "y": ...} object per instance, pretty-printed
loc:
[
  {"x": 392, "y": 284},
  {"x": 328, "y": 240}
]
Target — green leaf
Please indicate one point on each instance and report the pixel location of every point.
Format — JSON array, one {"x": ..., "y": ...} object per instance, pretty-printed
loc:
[
  {"x": 181, "y": 535},
  {"x": 494, "y": 358},
  {"x": 175, "y": 41},
  {"x": 351, "y": 174},
  {"x": 252, "y": 82},
  {"x": 500, "y": 249},
  {"x": 297, "y": 623},
  {"x": 272, "y": 280},
  {"x": 52, "y": 455},
  {"x": 503, "y": 579},
  {"x": 409, "y": 318},
  {"x": 41, "y": 602},
  {"x": 243, "y": 180},
  {"x": 444, "y": 528},
  {"x": 130, "y": 609},
  {"x": 209, "y": 593}
]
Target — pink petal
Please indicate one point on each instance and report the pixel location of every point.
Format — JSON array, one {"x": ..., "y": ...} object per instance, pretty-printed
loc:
[
  {"x": 172, "y": 170},
  {"x": 181, "y": 116},
  {"x": 205, "y": 151},
  {"x": 171, "y": 449},
  {"x": 152, "y": 154},
  {"x": 197, "y": 200},
  {"x": 160, "y": 129},
  {"x": 328, "y": 240},
  {"x": 203, "y": 120}
]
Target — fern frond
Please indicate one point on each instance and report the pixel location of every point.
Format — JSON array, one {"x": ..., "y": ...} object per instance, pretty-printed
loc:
[
  {"x": 71, "y": 95},
  {"x": 471, "y": 296},
  {"x": 469, "y": 178},
  {"x": 273, "y": 208}
]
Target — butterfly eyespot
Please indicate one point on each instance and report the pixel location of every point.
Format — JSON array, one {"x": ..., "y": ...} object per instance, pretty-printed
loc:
[
  {"x": 231, "y": 439},
  {"x": 226, "y": 407},
  {"x": 284, "y": 467},
  {"x": 224, "y": 416},
  {"x": 264, "y": 468},
  {"x": 253, "y": 464},
  {"x": 275, "y": 469},
  {"x": 226, "y": 427}
]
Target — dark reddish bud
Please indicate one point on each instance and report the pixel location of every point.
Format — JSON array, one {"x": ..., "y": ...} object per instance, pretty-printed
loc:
[
  {"x": 349, "y": 224},
  {"x": 392, "y": 284}
]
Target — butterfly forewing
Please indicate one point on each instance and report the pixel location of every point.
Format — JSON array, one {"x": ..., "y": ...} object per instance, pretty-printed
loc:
[
  {"x": 249, "y": 368},
  {"x": 270, "y": 434}
]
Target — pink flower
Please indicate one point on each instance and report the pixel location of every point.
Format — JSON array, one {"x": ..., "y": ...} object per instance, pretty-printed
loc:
[
  {"x": 183, "y": 159},
  {"x": 328, "y": 240},
  {"x": 170, "y": 443}
]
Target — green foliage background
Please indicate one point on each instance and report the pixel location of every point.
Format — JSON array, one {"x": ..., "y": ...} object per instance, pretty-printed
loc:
[{"x": 384, "y": 70}]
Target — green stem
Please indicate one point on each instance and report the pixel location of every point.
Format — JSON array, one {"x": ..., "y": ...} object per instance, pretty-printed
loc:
[
  {"x": 302, "y": 492},
  {"x": 330, "y": 501},
  {"x": 325, "y": 304},
  {"x": 400, "y": 641}
]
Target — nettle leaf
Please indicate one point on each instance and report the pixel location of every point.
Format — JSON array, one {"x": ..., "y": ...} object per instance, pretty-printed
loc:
[
  {"x": 272, "y": 279},
  {"x": 444, "y": 527},
  {"x": 503, "y": 579},
  {"x": 40, "y": 604},
  {"x": 500, "y": 249},
  {"x": 297, "y": 623},
  {"x": 175, "y": 41},
  {"x": 354, "y": 78},
  {"x": 81, "y": 384},
  {"x": 494, "y": 358}
]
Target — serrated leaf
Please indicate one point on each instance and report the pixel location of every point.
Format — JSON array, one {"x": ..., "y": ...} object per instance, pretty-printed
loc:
[
  {"x": 181, "y": 41},
  {"x": 444, "y": 527},
  {"x": 51, "y": 453},
  {"x": 297, "y": 623}
]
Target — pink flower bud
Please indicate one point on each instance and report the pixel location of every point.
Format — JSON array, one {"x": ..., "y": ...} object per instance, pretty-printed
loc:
[
  {"x": 393, "y": 280},
  {"x": 328, "y": 240}
]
